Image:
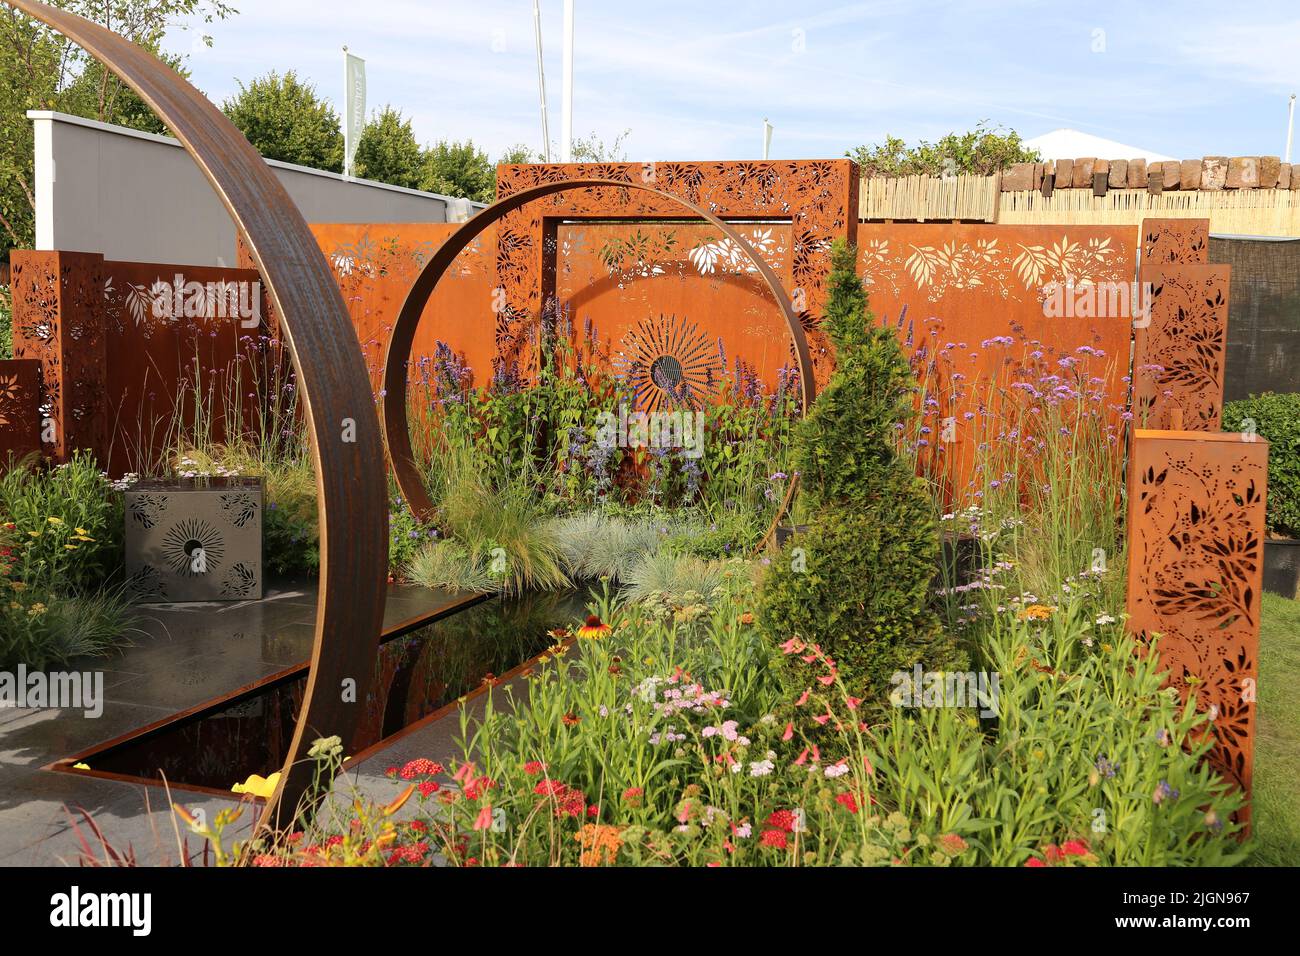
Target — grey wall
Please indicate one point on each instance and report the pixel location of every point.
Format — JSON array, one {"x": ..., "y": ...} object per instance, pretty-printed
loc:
[
  {"x": 136, "y": 197},
  {"x": 1263, "y": 315}
]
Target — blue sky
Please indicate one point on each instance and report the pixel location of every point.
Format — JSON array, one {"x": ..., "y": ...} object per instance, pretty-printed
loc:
[{"x": 694, "y": 80}]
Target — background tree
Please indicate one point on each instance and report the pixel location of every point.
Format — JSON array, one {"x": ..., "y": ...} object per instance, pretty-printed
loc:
[
  {"x": 388, "y": 151},
  {"x": 42, "y": 70},
  {"x": 459, "y": 169},
  {"x": 284, "y": 119},
  {"x": 982, "y": 151}
]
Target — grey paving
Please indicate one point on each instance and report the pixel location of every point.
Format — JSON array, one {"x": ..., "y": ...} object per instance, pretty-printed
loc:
[{"x": 181, "y": 656}]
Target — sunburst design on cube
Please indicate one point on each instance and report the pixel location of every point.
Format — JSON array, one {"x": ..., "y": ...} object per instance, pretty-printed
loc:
[
  {"x": 185, "y": 538},
  {"x": 668, "y": 363}
]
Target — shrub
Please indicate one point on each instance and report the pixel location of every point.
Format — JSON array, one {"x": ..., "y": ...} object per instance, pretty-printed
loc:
[
  {"x": 66, "y": 522},
  {"x": 857, "y": 583},
  {"x": 6, "y": 324},
  {"x": 1277, "y": 418}
]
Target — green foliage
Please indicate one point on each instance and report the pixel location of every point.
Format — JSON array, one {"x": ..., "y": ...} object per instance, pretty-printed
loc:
[
  {"x": 459, "y": 169},
  {"x": 67, "y": 522},
  {"x": 673, "y": 580},
  {"x": 1276, "y": 418},
  {"x": 388, "y": 151},
  {"x": 42, "y": 70},
  {"x": 982, "y": 151},
  {"x": 596, "y": 545},
  {"x": 42, "y": 630},
  {"x": 857, "y": 584},
  {"x": 285, "y": 120},
  {"x": 6, "y": 324}
]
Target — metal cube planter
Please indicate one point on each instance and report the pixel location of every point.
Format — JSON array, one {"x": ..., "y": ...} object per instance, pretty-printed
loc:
[{"x": 191, "y": 540}]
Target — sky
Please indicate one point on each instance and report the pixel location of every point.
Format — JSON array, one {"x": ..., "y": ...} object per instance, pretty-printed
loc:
[{"x": 694, "y": 80}]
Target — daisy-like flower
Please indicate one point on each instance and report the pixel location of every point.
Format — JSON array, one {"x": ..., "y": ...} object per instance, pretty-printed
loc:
[{"x": 594, "y": 627}]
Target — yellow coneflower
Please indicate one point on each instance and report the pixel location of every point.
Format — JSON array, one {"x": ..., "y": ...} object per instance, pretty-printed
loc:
[{"x": 594, "y": 628}]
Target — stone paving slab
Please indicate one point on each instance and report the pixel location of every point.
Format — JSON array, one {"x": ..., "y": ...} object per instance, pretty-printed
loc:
[{"x": 180, "y": 657}]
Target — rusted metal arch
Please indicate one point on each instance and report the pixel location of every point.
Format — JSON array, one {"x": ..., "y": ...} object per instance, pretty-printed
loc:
[
  {"x": 398, "y": 356},
  {"x": 346, "y": 446}
]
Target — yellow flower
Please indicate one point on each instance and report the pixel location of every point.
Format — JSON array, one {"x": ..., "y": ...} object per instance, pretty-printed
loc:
[
  {"x": 34, "y": 534},
  {"x": 258, "y": 785},
  {"x": 70, "y": 547},
  {"x": 54, "y": 521},
  {"x": 36, "y": 610},
  {"x": 81, "y": 766},
  {"x": 81, "y": 531},
  {"x": 18, "y": 585}
]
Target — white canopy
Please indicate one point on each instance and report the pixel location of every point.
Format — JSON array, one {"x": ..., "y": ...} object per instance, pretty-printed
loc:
[{"x": 1072, "y": 144}]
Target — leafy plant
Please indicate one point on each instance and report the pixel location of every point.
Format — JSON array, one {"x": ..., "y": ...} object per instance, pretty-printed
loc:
[
  {"x": 982, "y": 151},
  {"x": 1276, "y": 418},
  {"x": 67, "y": 522},
  {"x": 285, "y": 119}
]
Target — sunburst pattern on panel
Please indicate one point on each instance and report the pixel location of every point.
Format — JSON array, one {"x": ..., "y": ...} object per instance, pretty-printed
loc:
[
  {"x": 668, "y": 363},
  {"x": 187, "y": 536}
]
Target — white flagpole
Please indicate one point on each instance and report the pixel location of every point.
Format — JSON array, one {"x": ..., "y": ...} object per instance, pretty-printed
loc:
[
  {"x": 1290, "y": 127},
  {"x": 566, "y": 145},
  {"x": 541, "y": 80},
  {"x": 767, "y": 138},
  {"x": 347, "y": 125}
]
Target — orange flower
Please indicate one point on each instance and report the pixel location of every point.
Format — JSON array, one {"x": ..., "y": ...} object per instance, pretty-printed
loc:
[
  {"x": 747, "y": 618},
  {"x": 600, "y": 843},
  {"x": 1035, "y": 612}
]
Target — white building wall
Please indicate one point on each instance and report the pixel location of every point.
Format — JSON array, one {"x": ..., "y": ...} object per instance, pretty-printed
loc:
[{"x": 137, "y": 197}]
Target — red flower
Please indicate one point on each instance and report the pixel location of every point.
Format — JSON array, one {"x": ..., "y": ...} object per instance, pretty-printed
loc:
[
  {"x": 428, "y": 787},
  {"x": 477, "y": 788},
  {"x": 534, "y": 767},
  {"x": 774, "y": 838},
  {"x": 1074, "y": 848},
  {"x": 782, "y": 820},
  {"x": 547, "y": 787},
  {"x": 1035, "y": 862},
  {"x": 848, "y": 801},
  {"x": 952, "y": 844},
  {"x": 571, "y": 720},
  {"x": 421, "y": 767},
  {"x": 632, "y": 796}
]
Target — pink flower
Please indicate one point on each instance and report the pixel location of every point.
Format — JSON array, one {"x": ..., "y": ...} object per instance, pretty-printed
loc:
[
  {"x": 484, "y": 819},
  {"x": 789, "y": 731}
]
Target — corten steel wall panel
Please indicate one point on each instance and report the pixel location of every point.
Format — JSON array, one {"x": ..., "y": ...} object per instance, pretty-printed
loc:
[
  {"x": 58, "y": 307},
  {"x": 1195, "y": 565},
  {"x": 1168, "y": 241},
  {"x": 969, "y": 303},
  {"x": 818, "y": 197},
  {"x": 376, "y": 264},
  {"x": 680, "y": 290},
  {"x": 1180, "y": 354},
  {"x": 160, "y": 367},
  {"x": 20, "y": 409}
]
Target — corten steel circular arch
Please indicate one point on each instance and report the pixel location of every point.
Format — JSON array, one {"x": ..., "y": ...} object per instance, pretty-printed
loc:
[
  {"x": 347, "y": 450},
  {"x": 398, "y": 356}
]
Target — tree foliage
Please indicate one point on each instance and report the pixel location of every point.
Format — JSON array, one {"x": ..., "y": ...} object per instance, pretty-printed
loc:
[
  {"x": 285, "y": 119},
  {"x": 42, "y": 70},
  {"x": 982, "y": 151},
  {"x": 388, "y": 151},
  {"x": 459, "y": 169}
]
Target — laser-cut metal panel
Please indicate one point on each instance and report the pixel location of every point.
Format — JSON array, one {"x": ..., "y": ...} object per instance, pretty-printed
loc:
[
  {"x": 397, "y": 358},
  {"x": 819, "y": 197},
  {"x": 1179, "y": 355},
  {"x": 20, "y": 418},
  {"x": 346, "y": 445},
  {"x": 1166, "y": 241},
  {"x": 1195, "y": 566},
  {"x": 59, "y": 320}
]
